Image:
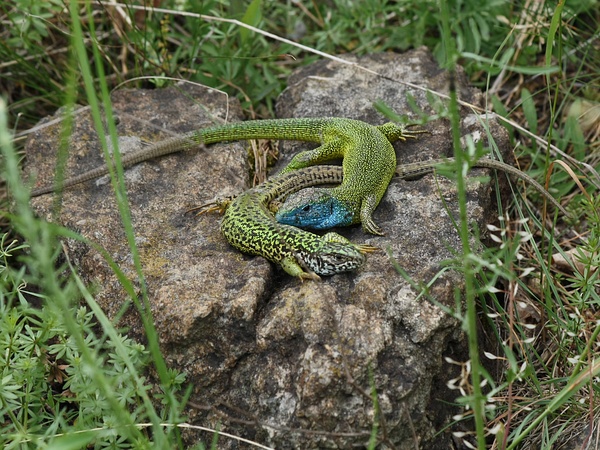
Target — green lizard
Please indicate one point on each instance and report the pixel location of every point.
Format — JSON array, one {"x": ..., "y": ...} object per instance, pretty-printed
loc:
[
  {"x": 369, "y": 162},
  {"x": 369, "y": 158},
  {"x": 250, "y": 227},
  {"x": 320, "y": 208}
]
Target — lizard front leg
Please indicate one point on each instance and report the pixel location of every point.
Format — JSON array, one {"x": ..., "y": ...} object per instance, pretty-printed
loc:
[
  {"x": 394, "y": 132},
  {"x": 291, "y": 266},
  {"x": 326, "y": 152}
]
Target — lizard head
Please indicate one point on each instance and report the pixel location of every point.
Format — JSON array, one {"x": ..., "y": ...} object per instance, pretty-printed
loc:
[
  {"x": 315, "y": 208},
  {"x": 333, "y": 257}
]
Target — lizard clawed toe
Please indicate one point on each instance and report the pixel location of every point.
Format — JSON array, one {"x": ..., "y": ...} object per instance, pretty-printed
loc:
[
  {"x": 407, "y": 133},
  {"x": 366, "y": 248},
  {"x": 218, "y": 205},
  {"x": 372, "y": 228}
]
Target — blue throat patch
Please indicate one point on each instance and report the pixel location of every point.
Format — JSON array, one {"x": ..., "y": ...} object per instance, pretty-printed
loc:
[{"x": 327, "y": 212}]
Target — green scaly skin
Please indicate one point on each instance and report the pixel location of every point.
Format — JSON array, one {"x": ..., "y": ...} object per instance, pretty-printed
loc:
[
  {"x": 320, "y": 209},
  {"x": 369, "y": 162},
  {"x": 250, "y": 227},
  {"x": 358, "y": 142}
]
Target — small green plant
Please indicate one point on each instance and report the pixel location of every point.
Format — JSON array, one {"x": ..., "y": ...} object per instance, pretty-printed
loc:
[
  {"x": 47, "y": 388},
  {"x": 66, "y": 374},
  {"x": 31, "y": 22}
]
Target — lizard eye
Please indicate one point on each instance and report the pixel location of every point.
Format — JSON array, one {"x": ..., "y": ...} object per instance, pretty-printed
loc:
[{"x": 306, "y": 208}]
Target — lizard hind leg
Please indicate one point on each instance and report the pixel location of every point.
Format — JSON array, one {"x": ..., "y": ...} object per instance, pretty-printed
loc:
[
  {"x": 366, "y": 216},
  {"x": 219, "y": 205}
]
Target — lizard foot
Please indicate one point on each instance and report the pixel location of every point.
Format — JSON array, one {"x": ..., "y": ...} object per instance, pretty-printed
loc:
[
  {"x": 309, "y": 276},
  {"x": 296, "y": 267},
  {"x": 219, "y": 205},
  {"x": 407, "y": 133},
  {"x": 366, "y": 248},
  {"x": 371, "y": 227},
  {"x": 395, "y": 131}
]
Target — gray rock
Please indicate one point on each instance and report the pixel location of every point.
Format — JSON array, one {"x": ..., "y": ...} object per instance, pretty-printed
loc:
[{"x": 287, "y": 363}]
